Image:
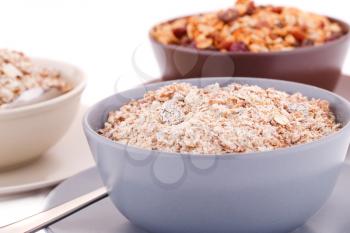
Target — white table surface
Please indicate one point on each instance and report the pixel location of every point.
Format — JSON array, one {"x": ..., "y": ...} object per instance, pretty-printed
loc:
[{"x": 102, "y": 37}]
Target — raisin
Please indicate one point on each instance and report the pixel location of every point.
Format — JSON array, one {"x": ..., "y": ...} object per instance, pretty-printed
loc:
[
  {"x": 185, "y": 41},
  {"x": 322, "y": 24},
  {"x": 191, "y": 44},
  {"x": 226, "y": 45},
  {"x": 228, "y": 16},
  {"x": 299, "y": 35},
  {"x": 277, "y": 10},
  {"x": 211, "y": 48},
  {"x": 307, "y": 42},
  {"x": 238, "y": 47},
  {"x": 334, "y": 36},
  {"x": 273, "y": 36},
  {"x": 180, "y": 32},
  {"x": 262, "y": 24},
  {"x": 250, "y": 9}
]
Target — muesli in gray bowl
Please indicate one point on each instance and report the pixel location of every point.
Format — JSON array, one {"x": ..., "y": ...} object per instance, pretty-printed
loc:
[{"x": 269, "y": 191}]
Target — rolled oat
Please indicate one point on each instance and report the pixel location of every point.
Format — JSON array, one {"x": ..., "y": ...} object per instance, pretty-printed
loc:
[{"x": 218, "y": 120}]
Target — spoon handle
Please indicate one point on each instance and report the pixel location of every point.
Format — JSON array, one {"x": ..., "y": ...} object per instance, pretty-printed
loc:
[{"x": 48, "y": 217}]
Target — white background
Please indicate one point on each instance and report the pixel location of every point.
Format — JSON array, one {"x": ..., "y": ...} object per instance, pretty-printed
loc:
[{"x": 100, "y": 37}]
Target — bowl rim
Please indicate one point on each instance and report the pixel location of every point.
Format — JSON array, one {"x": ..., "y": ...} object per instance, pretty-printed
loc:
[
  {"x": 346, "y": 36},
  {"x": 78, "y": 88},
  {"x": 248, "y": 155}
]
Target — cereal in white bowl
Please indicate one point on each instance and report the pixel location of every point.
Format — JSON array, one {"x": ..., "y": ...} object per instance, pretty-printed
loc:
[{"x": 18, "y": 73}]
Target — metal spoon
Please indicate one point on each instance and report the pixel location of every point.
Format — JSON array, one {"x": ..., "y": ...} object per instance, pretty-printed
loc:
[
  {"x": 32, "y": 96},
  {"x": 48, "y": 217}
]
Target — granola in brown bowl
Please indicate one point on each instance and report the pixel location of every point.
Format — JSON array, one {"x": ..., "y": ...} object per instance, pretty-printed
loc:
[
  {"x": 247, "y": 27},
  {"x": 217, "y": 120},
  {"x": 18, "y": 73}
]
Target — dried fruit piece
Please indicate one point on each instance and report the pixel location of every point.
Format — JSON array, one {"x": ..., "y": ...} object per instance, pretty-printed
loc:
[
  {"x": 238, "y": 47},
  {"x": 180, "y": 32},
  {"x": 307, "y": 42},
  {"x": 335, "y": 35},
  {"x": 228, "y": 16},
  {"x": 277, "y": 10},
  {"x": 298, "y": 34},
  {"x": 251, "y": 8}
]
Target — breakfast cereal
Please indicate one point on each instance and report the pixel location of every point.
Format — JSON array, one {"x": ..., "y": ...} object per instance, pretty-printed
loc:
[
  {"x": 216, "y": 120},
  {"x": 249, "y": 28},
  {"x": 18, "y": 74}
]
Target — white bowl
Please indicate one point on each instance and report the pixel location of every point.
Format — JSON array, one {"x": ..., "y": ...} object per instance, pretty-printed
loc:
[{"x": 27, "y": 132}]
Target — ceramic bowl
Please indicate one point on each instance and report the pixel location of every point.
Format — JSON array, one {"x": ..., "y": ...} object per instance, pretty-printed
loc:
[
  {"x": 264, "y": 192},
  {"x": 27, "y": 132},
  {"x": 317, "y": 65}
]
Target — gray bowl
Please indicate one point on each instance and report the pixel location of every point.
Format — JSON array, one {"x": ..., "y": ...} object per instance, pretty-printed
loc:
[{"x": 264, "y": 192}]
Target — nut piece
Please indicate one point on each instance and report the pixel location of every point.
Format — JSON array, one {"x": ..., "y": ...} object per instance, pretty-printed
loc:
[{"x": 203, "y": 42}]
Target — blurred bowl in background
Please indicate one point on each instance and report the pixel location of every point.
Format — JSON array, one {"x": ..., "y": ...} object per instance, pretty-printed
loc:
[
  {"x": 27, "y": 132},
  {"x": 316, "y": 65}
]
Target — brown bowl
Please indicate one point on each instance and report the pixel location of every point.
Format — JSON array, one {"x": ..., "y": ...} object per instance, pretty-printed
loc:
[{"x": 316, "y": 65}]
